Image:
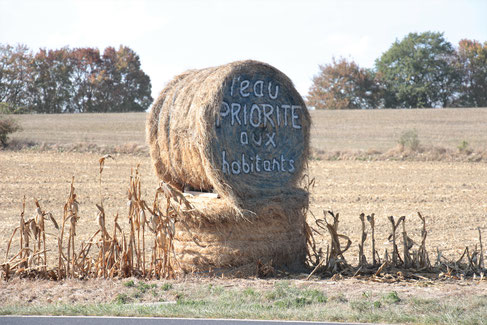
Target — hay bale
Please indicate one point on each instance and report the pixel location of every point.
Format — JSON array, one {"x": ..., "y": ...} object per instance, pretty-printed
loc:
[
  {"x": 277, "y": 235},
  {"x": 239, "y": 129}
]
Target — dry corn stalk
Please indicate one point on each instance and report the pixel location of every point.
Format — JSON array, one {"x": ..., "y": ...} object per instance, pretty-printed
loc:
[
  {"x": 362, "y": 259},
  {"x": 116, "y": 254},
  {"x": 29, "y": 258},
  {"x": 67, "y": 265},
  {"x": 371, "y": 220},
  {"x": 481, "y": 258},
  {"x": 334, "y": 261},
  {"x": 163, "y": 225},
  {"x": 423, "y": 258},
  {"x": 395, "y": 250}
]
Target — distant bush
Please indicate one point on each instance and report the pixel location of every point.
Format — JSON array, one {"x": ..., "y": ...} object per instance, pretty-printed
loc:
[
  {"x": 464, "y": 147},
  {"x": 409, "y": 139},
  {"x": 7, "y": 126},
  {"x": 5, "y": 108}
]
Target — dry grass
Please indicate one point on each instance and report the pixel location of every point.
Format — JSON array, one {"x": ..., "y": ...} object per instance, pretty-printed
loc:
[
  {"x": 94, "y": 129},
  {"x": 454, "y": 210},
  {"x": 351, "y": 130},
  {"x": 347, "y": 130}
]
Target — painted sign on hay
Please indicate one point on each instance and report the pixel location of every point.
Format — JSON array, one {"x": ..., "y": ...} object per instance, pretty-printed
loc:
[
  {"x": 241, "y": 130},
  {"x": 259, "y": 131}
]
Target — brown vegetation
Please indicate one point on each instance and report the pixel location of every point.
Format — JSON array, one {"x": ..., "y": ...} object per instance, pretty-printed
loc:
[
  {"x": 120, "y": 254},
  {"x": 412, "y": 261},
  {"x": 257, "y": 216},
  {"x": 346, "y": 131},
  {"x": 274, "y": 234}
]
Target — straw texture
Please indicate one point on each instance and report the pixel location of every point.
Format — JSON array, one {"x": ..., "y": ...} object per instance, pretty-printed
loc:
[
  {"x": 275, "y": 235},
  {"x": 196, "y": 142},
  {"x": 240, "y": 130}
]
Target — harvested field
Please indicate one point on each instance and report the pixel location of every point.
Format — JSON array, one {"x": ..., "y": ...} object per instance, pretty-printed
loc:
[
  {"x": 350, "y": 130},
  {"x": 100, "y": 129},
  {"x": 346, "y": 130},
  {"x": 451, "y": 194}
]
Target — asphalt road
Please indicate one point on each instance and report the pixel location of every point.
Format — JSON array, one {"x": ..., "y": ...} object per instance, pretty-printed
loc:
[{"x": 81, "y": 320}]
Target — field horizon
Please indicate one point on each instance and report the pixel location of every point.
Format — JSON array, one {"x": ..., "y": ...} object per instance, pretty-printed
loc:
[{"x": 332, "y": 130}]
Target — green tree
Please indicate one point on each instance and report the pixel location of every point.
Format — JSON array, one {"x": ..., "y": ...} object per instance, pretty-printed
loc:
[
  {"x": 344, "y": 85},
  {"x": 472, "y": 65},
  {"x": 418, "y": 71},
  {"x": 122, "y": 85},
  {"x": 14, "y": 77},
  {"x": 86, "y": 67},
  {"x": 50, "y": 88}
]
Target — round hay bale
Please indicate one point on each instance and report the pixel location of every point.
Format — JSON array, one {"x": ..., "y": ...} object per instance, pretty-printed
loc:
[
  {"x": 239, "y": 129},
  {"x": 276, "y": 236}
]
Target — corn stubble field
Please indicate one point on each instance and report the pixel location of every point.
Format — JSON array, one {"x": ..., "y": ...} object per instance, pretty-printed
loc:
[{"x": 450, "y": 191}]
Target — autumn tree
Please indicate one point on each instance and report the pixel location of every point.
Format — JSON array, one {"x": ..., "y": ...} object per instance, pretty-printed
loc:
[
  {"x": 472, "y": 65},
  {"x": 15, "y": 77},
  {"x": 344, "y": 85},
  {"x": 51, "y": 88},
  {"x": 72, "y": 80},
  {"x": 85, "y": 79},
  {"x": 418, "y": 71},
  {"x": 123, "y": 86}
]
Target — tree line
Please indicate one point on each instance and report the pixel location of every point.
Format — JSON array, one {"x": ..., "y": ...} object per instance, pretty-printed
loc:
[
  {"x": 72, "y": 80},
  {"x": 421, "y": 71}
]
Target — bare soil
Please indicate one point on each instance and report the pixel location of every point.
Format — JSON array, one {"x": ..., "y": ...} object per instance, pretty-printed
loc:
[
  {"x": 451, "y": 194},
  {"x": 92, "y": 291}
]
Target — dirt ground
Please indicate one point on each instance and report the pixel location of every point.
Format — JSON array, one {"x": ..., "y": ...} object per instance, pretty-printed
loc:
[
  {"x": 452, "y": 195},
  {"x": 92, "y": 291}
]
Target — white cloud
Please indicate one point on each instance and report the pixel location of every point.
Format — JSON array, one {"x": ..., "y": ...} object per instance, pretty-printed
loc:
[{"x": 114, "y": 22}]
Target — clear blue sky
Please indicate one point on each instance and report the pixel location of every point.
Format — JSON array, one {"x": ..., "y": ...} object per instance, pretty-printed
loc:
[{"x": 294, "y": 36}]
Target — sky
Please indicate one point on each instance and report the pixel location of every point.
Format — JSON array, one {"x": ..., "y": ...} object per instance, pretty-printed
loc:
[{"x": 293, "y": 36}]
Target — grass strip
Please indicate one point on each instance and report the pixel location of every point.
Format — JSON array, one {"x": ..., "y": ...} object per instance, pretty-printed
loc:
[{"x": 282, "y": 301}]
